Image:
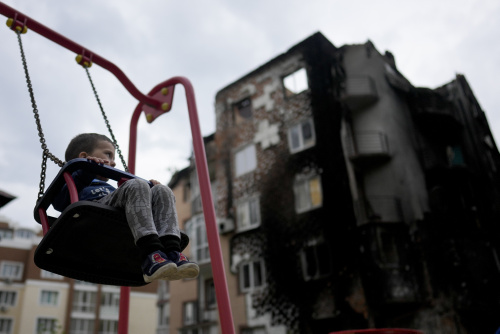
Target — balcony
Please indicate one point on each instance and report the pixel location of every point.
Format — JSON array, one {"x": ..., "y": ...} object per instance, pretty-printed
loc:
[
  {"x": 434, "y": 114},
  {"x": 378, "y": 209},
  {"x": 368, "y": 148},
  {"x": 359, "y": 92}
]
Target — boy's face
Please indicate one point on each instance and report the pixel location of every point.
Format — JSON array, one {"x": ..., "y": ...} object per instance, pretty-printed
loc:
[{"x": 106, "y": 151}]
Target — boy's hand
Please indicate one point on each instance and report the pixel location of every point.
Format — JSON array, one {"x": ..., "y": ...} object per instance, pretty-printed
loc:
[
  {"x": 99, "y": 160},
  {"x": 154, "y": 182}
]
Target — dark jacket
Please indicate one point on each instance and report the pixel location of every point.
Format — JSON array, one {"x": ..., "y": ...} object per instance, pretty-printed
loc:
[{"x": 88, "y": 188}]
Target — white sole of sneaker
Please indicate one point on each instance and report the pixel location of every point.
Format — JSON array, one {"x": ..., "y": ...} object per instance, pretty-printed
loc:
[
  {"x": 188, "y": 270},
  {"x": 164, "y": 273}
]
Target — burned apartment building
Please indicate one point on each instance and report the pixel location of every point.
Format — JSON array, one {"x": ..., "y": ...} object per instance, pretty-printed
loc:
[{"x": 352, "y": 199}]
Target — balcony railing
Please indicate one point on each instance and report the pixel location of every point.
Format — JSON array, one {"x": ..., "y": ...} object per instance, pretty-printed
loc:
[
  {"x": 368, "y": 147},
  {"x": 383, "y": 209},
  {"x": 359, "y": 92}
]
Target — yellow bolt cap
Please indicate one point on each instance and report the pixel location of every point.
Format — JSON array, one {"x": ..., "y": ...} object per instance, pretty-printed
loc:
[
  {"x": 164, "y": 90},
  {"x": 149, "y": 118},
  {"x": 165, "y": 106}
]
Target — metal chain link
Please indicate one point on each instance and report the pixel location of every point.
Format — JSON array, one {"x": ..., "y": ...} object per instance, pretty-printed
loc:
[
  {"x": 46, "y": 152},
  {"x": 106, "y": 119}
]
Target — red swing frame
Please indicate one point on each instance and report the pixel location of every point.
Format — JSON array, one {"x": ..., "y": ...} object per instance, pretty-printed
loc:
[{"x": 157, "y": 102}]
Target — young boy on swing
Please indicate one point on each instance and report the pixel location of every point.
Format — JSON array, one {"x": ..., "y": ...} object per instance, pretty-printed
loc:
[{"x": 150, "y": 211}]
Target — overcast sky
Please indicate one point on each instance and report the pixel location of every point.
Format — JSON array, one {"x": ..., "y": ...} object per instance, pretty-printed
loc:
[{"x": 212, "y": 43}]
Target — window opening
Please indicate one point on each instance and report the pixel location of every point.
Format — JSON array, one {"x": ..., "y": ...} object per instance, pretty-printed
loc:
[
  {"x": 8, "y": 298},
  {"x": 251, "y": 275},
  {"x": 315, "y": 259},
  {"x": 11, "y": 270},
  {"x": 48, "y": 297},
  {"x": 308, "y": 193},
  {"x": 295, "y": 83},
  {"x": 210, "y": 299},
  {"x": 196, "y": 230},
  {"x": 189, "y": 313},
  {"x": 248, "y": 214},
  {"x": 301, "y": 136},
  {"x": 46, "y": 326},
  {"x": 246, "y": 160},
  {"x": 243, "y": 110}
]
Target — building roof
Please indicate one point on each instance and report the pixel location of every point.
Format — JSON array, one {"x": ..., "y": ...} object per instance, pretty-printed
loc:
[
  {"x": 5, "y": 198},
  {"x": 317, "y": 37}
]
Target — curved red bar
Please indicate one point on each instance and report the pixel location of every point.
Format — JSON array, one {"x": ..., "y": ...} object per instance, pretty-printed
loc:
[{"x": 78, "y": 49}]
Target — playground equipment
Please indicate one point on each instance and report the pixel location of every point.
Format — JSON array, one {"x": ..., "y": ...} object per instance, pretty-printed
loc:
[{"x": 157, "y": 102}]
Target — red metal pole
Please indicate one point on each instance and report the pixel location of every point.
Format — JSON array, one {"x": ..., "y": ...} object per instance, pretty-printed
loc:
[
  {"x": 223, "y": 301},
  {"x": 124, "y": 310},
  {"x": 222, "y": 294}
]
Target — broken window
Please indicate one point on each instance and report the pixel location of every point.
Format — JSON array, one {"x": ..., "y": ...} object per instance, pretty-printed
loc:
[
  {"x": 315, "y": 260},
  {"x": 388, "y": 250},
  {"x": 308, "y": 193},
  {"x": 295, "y": 83},
  {"x": 301, "y": 136},
  {"x": 243, "y": 110},
  {"x": 245, "y": 160},
  {"x": 248, "y": 214},
  {"x": 251, "y": 275}
]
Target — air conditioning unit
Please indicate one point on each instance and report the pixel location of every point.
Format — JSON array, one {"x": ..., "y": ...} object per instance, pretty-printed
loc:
[{"x": 226, "y": 225}]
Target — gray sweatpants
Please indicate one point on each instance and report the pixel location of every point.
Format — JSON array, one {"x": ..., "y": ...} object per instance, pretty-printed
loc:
[{"x": 148, "y": 210}]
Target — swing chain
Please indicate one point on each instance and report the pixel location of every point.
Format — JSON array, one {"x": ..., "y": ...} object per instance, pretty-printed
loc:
[
  {"x": 115, "y": 142},
  {"x": 46, "y": 152}
]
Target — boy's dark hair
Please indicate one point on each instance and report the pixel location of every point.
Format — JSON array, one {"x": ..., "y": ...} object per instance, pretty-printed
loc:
[{"x": 85, "y": 142}]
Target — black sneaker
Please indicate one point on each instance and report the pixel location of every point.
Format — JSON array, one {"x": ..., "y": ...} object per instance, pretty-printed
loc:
[
  {"x": 158, "y": 266},
  {"x": 185, "y": 268}
]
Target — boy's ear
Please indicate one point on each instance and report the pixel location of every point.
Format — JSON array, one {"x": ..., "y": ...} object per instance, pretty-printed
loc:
[{"x": 83, "y": 155}]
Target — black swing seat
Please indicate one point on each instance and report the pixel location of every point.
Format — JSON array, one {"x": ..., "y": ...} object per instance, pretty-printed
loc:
[{"x": 90, "y": 241}]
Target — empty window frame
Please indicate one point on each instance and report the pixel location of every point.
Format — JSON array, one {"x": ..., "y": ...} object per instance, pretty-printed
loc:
[
  {"x": 295, "y": 82},
  {"x": 11, "y": 270},
  {"x": 251, "y": 275},
  {"x": 301, "y": 136},
  {"x": 308, "y": 193},
  {"x": 245, "y": 160},
  {"x": 388, "y": 249},
  {"x": 48, "y": 297},
  {"x": 315, "y": 260},
  {"x": 248, "y": 212},
  {"x": 243, "y": 110}
]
